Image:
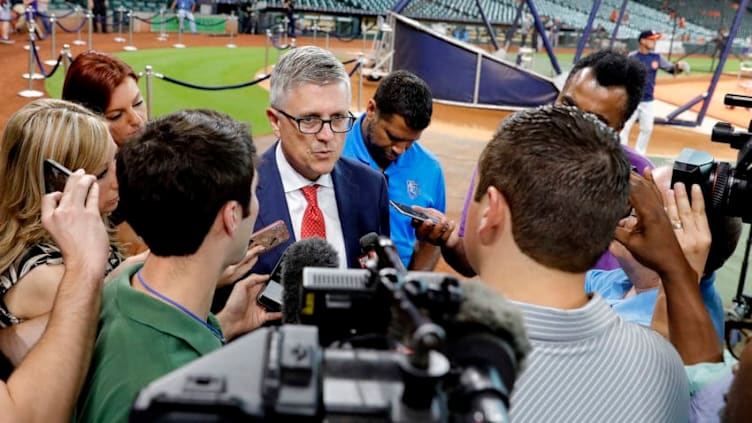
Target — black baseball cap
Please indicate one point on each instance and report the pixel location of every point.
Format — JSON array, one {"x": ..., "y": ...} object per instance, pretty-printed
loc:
[{"x": 650, "y": 35}]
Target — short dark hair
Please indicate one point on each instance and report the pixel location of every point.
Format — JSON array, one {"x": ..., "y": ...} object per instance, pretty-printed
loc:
[
  {"x": 565, "y": 177},
  {"x": 612, "y": 68},
  {"x": 176, "y": 176},
  {"x": 404, "y": 94}
]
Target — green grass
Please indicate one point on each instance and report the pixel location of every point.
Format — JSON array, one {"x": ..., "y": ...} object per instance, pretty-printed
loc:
[
  {"x": 698, "y": 65},
  {"x": 200, "y": 66}
]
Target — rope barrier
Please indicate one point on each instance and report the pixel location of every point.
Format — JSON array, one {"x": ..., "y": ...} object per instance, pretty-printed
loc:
[
  {"x": 150, "y": 20},
  {"x": 233, "y": 86},
  {"x": 61, "y": 26},
  {"x": 41, "y": 65},
  {"x": 205, "y": 88},
  {"x": 355, "y": 68}
]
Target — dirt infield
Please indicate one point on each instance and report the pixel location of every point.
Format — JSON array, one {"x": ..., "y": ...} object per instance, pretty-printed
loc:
[{"x": 456, "y": 135}]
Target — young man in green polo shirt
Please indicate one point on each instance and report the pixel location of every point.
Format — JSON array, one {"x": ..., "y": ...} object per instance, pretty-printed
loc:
[{"x": 187, "y": 188}]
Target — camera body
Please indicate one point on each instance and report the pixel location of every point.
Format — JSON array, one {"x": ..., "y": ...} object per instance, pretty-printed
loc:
[
  {"x": 726, "y": 188},
  {"x": 446, "y": 370}
]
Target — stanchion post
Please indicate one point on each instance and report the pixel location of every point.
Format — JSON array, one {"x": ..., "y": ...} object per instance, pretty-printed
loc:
[
  {"x": 232, "y": 22},
  {"x": 266, "y": 51},
  {"x": 360, "y": 81},
  {"x": 327, "y": 40},
  {"x": 364, "y": 37},
  {"x": 285, "y": 22},
  {"x": 181, "y": 28},
  {"x": 119, "y": 38},
  {"x": 90, "y": 19},
  {"x": 149, "y": 74},
  {"x": 66, "y": 57},
  {"x": 31, "y": 27},
  {"x": 315, "y": 30},
  {"x": 162, "y": 31},
  {"x": 53, "y": 43},
  {"x": 31, "y": 92},
  {"x": 78, "y": 41},
  {"x": 130, "y": 46}
]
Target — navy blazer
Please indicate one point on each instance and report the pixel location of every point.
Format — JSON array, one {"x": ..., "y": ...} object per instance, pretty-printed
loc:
[{"x": 362, "y": 201}]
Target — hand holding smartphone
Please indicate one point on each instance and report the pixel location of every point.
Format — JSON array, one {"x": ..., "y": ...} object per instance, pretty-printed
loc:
[
  {"x": 271, "y": 296},
  {"x": 55, "y": 176},
  {"x": 414, "y": 214},
  {"x": 270, "y": 236}
]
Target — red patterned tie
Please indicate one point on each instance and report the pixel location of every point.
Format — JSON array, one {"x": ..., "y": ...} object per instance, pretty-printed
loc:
[{"x": 313, "y": 219}]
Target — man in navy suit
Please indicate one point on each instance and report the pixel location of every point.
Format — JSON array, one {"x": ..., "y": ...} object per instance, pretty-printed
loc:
[{"x": 309, "y": 113}]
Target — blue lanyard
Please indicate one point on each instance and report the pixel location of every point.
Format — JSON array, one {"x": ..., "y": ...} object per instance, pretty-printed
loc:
[{"x": 168, "y": 300}]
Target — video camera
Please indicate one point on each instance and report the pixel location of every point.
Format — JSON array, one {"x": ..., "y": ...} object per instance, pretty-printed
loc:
[
  {"x": 726, "y": 189},
  {"x": 451, "y": 362}
]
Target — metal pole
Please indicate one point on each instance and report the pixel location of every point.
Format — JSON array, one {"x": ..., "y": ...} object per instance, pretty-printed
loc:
[
  {"x": 233, "y": 26},
  {"x": 149, "y": 74},
  {"x": 181, "y": 19},
  {"x": 53, "y": 43},
  {"x": 31, "y": 92},
  {"x": 586, "y": 32},
  {"x": 618, "y": 23},
  {"x": 130, "y": 46},
  {"x": 89, "y": 17},
  {"x": 266, "y": 51},
  {"x": 78, "y": 41},
  {"x": 361, "y": 61},
  {"x": 162, "y": 33},
  {"x": 327, "y": 40},
  {"x": 31, "y": 27},
  {"x": 119, "y": 38},
  {"x": 66, "y": 57},
  {"x": 315, "y": 31}
]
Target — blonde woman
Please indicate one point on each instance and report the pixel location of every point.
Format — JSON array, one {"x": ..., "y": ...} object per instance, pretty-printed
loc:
[{"x": 31, "y": 265}]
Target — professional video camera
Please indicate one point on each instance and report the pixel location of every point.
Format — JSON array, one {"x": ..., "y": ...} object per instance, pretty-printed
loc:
[
  {"x": 460, "y": 351},
  {"x": 726, "y": 189}
]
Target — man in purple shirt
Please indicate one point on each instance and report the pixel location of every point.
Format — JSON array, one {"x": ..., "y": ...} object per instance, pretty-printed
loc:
[{"x": 607, "y": 84}]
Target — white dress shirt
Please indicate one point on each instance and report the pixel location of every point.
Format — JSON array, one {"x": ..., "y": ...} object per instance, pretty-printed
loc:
[{"x": 292, "y": 182}]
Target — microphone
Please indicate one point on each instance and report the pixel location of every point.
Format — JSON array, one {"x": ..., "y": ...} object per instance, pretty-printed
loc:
[
  {"x": 372, "y": 244},
  {"x": 309, "y": 252},
  {"x": 487, "y": 340}
]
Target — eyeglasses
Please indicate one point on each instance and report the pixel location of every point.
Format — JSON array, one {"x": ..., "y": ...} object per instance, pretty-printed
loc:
[{"x": 314, "y": 125}]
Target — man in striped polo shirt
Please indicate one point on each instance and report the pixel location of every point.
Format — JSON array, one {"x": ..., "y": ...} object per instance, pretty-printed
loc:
[{"x": 552, "y": 185}]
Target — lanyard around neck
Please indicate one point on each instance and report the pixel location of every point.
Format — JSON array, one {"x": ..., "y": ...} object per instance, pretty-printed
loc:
[{"x": 175, "y": 304}]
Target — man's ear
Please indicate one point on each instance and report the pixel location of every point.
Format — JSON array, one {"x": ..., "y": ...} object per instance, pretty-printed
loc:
[
  {"x": 271, "y": 114},
  {"x": 494, "y": 217},
  {"x": 371, "y": 109},
  {"x": 231, "y": 213}
]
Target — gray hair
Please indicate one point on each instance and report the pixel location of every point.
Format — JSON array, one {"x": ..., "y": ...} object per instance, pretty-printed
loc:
[{"x": 307, "y": 64}]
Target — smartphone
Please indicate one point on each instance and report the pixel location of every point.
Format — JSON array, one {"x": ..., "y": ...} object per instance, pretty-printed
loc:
[
  {"x": 55, "y": 176},
  {"x": 414, "y": 214},
  {"x": 271, "y": 296},
  {"x": 270, "y": 236}
]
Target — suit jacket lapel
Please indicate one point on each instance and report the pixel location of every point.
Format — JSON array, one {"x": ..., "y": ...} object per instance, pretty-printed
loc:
[
  {"x": 344, "y": 186},
  {"x": 268, "y": 192}
]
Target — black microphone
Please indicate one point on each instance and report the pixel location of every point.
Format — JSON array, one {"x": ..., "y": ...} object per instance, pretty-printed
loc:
[
  {"x": 309, "y": 252},
  {"x": 385, "y": 251},
  {"x": 487, "y": 340}
]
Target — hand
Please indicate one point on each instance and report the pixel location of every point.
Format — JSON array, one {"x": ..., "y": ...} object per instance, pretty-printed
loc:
[
  {"x": 241, "y": 268},
  {"x": 436, "y": 233},
  {"x": 73, "y": 220},
  {"x": 242, "y": 313},
  {"x": 651, "y": 240},
  {"x": 690, "y": 224}
]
